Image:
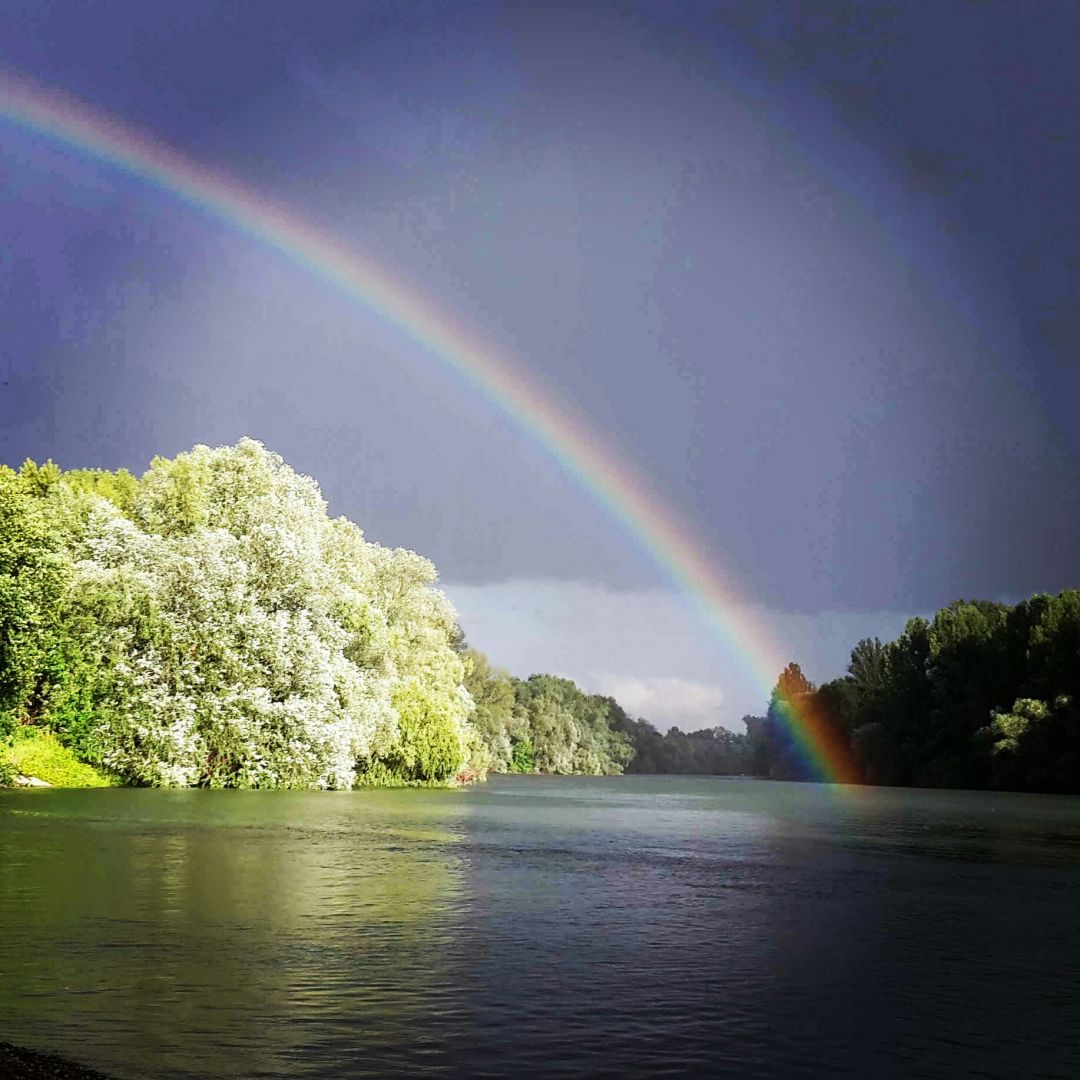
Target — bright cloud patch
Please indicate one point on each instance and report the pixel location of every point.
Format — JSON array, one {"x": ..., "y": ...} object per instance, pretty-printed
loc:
[{"x": 663, "y": 699}]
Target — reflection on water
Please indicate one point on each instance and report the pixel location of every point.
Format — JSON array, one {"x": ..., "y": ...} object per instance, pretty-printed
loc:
[
  {"x": 562, "y": 926},
  {"x": 225, "y": 933}
]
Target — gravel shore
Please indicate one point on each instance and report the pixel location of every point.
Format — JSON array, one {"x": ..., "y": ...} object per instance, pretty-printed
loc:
[{"x": 19, "y": 1064}]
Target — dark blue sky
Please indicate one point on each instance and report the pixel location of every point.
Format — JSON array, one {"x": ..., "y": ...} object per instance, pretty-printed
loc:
[{"x": 815, "y": 272}]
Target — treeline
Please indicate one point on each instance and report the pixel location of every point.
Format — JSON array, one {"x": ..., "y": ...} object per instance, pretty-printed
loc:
[
  {"x": 548, "y": 724},
  {"x": 983, "y": 695},
  {"x": 209, "y": 625},
  {"x": 709, "y": 752},
  {"x": 543, "y": 723}
]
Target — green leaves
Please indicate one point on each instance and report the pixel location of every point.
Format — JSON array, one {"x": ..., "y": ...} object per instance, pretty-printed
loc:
[
  {"x": 210, "y": 625},
  {"x": 41, "y": 755},
  {"x": 569, "y": 731},
  {"x": 36, "y": 537},
  {"x": 1008, "y": 729},
  {"x": 522, "y": 759},
  {"x": 933, "y": 707}
]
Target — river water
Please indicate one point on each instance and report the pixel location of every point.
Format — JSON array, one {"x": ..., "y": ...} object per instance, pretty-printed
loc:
[{"x": 663, "y": 926}]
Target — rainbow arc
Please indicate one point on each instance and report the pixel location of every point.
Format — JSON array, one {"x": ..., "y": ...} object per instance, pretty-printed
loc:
[{"x": 578, "y": 447}]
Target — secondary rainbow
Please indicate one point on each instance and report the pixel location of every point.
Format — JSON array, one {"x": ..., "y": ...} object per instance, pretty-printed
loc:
[{"x": 569, "y": 438}]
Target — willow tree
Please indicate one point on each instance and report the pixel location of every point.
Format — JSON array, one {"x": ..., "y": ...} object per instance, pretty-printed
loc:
[{"x": 243, "y": 638}]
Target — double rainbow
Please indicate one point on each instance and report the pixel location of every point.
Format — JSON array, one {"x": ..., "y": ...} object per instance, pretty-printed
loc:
[{"x": 575, "y": 445}]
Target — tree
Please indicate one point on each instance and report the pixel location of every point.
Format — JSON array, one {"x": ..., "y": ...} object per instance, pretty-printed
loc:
[
  {"x": 119, "y": 487},
  {"x": 35, "y": 566},
  {"x": 781, "y": 756},
  {"x": 239, "y": 637},
  {"x": 868, "y": 668},
  {"x": 499, "y": 720},
  {"x": 522, "y": 759},
  {"x": 791, "y": 684},
  {"x": 570, "y": 731}
]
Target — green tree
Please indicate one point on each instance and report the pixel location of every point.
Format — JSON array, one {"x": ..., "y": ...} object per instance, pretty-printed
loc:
[
  {"x": 570, "y": 731},
  {"x": 522, "y": 759},
  {"x": 868, "y": 669},
  {"x": 213, "y": 626},
  {"x": 38, "y": 522},
  {"x": 499, "y": 720},
  {"x": 779, "y": 755},
  {"x": 119, "y": 487}
]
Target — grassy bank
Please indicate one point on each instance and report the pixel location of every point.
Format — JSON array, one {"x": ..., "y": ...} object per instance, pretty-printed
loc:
[{"x": 40, "y": 754}]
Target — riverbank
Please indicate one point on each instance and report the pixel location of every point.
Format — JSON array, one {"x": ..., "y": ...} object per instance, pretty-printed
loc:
[
  {"x": 35, "y": 757},
  {"x": 17, "y": 1063}
]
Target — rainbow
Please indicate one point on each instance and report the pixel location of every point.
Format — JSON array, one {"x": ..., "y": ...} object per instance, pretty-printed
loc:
[{"x": 576, "y": 445}]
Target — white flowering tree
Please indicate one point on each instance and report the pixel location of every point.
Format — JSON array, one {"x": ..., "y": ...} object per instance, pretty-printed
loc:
[{"x": 245, "y": 639}]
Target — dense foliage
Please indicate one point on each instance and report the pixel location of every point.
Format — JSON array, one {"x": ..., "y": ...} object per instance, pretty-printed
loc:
[
  {"x": 548, "y": 724},
  {"x": 545, "y": 723},
  {"x": 712, "y": 751},
  {"x": 210, "y": 625},
  {"x": 39, "y": 753},
  {"x": 984, "y": 695}
]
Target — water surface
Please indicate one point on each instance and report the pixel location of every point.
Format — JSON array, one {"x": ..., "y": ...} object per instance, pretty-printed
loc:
[{"x": 554, "y": 926}]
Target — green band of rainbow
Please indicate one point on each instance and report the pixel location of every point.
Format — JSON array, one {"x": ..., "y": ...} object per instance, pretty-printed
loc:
[{"x": 577, "y": 446}]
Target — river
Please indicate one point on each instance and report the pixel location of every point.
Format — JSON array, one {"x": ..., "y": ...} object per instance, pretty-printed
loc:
[{"x": 570, "y": 926}]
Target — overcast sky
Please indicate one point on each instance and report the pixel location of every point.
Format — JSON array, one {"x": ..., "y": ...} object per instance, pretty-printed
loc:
[{"x": 813, "y": 272}]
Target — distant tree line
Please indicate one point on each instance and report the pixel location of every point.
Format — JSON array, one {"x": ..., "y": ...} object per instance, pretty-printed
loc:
[
  {"x": 984, "y": 695},
  {"x": 547, "y": 724},
  {"x": 543, "y": 723}
]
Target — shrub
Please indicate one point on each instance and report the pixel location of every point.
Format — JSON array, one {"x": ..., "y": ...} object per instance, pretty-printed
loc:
[
  {"x": 39, "y": 753},
  {"x": 522, "y": 760}
]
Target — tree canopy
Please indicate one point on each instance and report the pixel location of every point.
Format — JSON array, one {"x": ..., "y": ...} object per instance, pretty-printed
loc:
[
  {"x": 983, "y": 695},
  {"x": 210, "y": 624}
]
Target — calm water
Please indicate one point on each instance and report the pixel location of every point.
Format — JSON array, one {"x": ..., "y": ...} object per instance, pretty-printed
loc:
[{"x": 563, "y": 927}]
